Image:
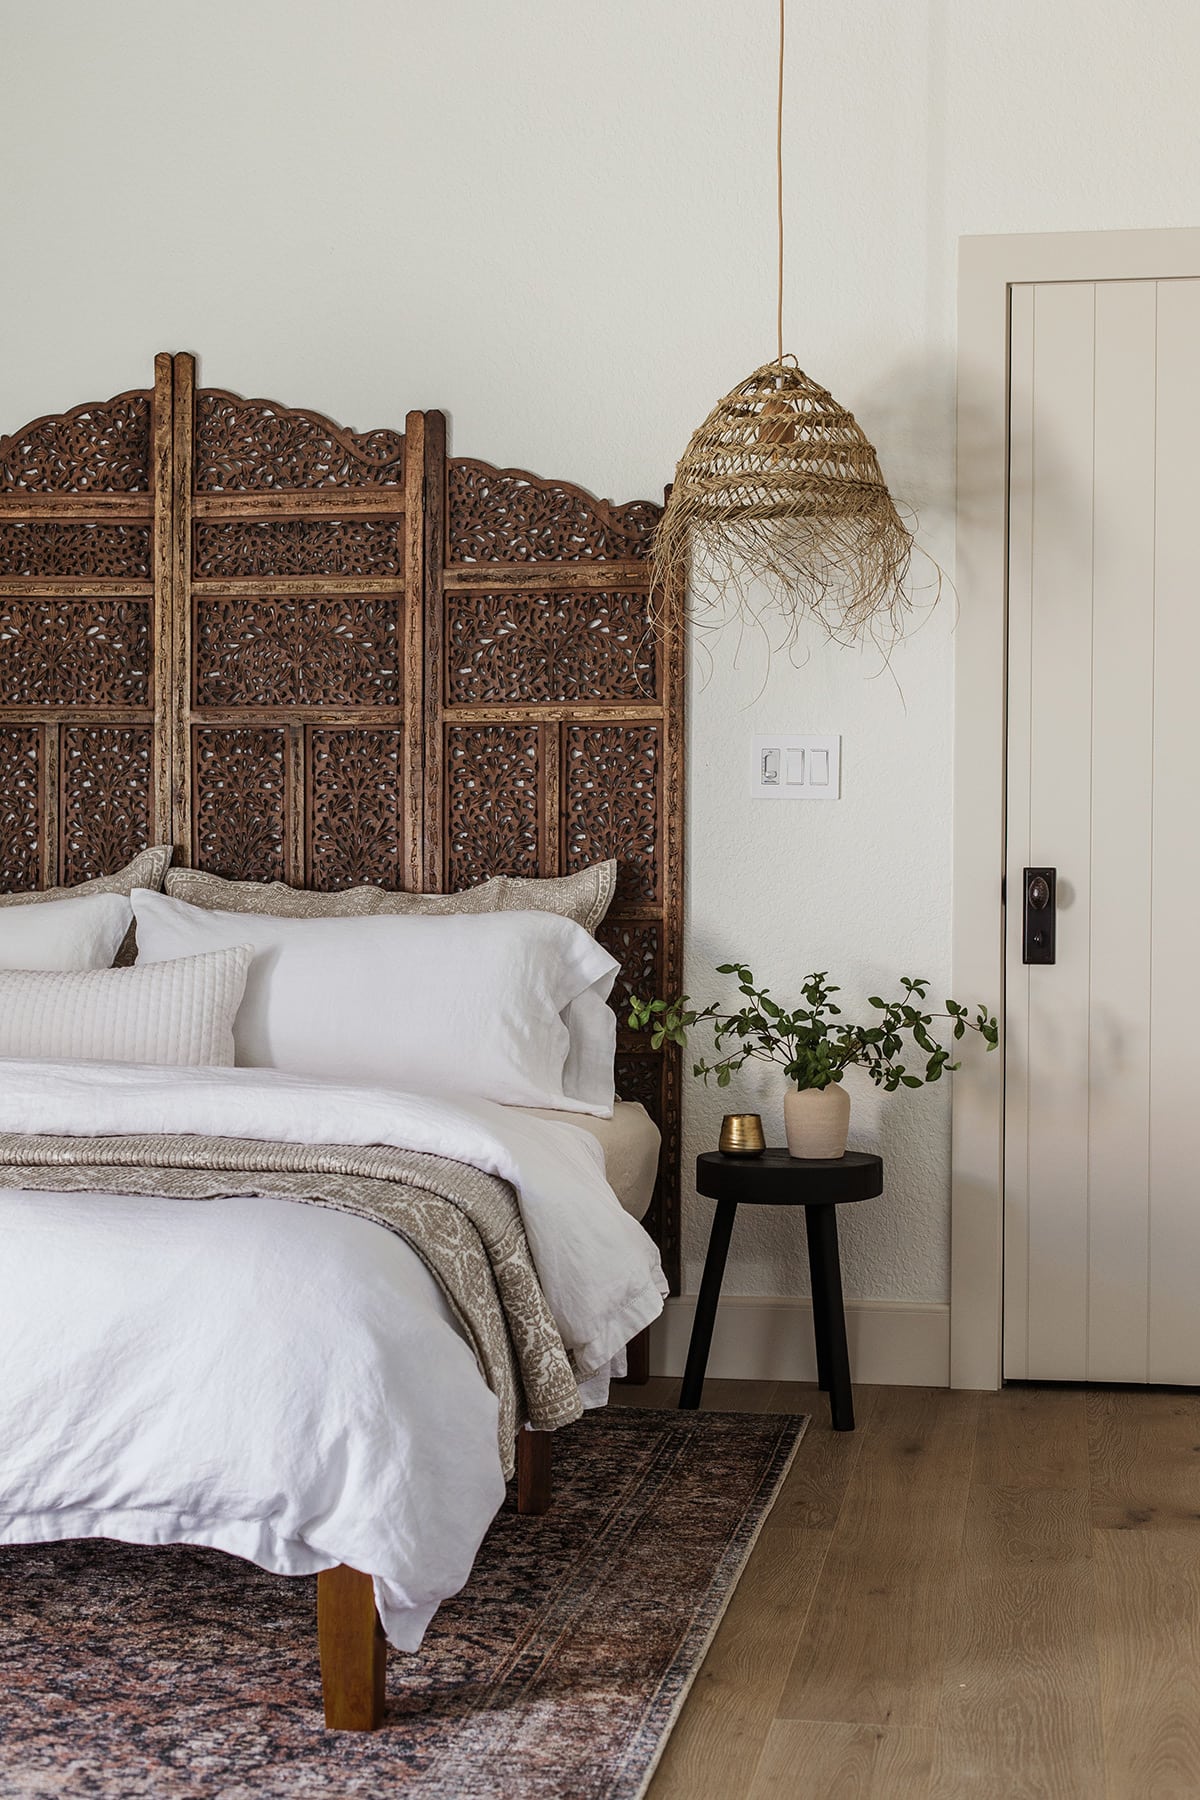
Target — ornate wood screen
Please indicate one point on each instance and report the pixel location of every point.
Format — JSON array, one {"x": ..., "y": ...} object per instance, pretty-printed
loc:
[
  {"x": 85, "y": 638},
  {"x": 328, "y": 658},
  {"x": 553, "y": 726}
]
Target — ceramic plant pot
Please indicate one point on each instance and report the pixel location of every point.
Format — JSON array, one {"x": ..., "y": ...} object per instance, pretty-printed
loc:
[{"x": 816, "y": 1120}]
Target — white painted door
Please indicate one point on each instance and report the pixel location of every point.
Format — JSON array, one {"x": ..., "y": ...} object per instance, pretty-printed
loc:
[{"x": 1102, "y": 1074}]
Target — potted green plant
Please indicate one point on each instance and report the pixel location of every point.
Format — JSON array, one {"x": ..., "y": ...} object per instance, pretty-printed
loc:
[{"x": 815, "y": 1045}]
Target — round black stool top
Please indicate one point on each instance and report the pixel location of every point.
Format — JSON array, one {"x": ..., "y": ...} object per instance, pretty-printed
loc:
[{"x": 777, "y": 1179}]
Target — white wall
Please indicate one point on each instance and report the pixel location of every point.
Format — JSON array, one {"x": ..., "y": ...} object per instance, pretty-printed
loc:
[{"x": 556, "y": 221}]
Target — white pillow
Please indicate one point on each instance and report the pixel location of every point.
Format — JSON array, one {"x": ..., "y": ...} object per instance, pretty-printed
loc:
[
  {"x": 82, "y": 932},
  {"x": 177, "y": 1012},
  {"x": 474, "y": 1003}
]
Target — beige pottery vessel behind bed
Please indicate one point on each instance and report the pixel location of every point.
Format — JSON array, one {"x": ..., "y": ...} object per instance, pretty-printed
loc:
[{"x": 816, "y": 1121}]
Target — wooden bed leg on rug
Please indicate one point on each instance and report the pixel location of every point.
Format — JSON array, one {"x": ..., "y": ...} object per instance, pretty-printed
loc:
[
  {"x": 353, "y": 1650},
  {"x": 533, "y": 1471},
  {"x": 637, "y": 1359}
]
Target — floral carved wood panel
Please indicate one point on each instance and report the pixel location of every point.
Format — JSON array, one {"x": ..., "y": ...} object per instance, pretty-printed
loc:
[
  {"x": 240, "y": 805},
  {"x": 612, "y": 785},
  {"x": 105, "y": 816},
  {"x": 78, "y": 637},
  {"x": 639, "y": 1077},
  {"x": 492, "y": 808},
  {"x": 505, "y": 515},
  {"x": 20, "y": 807},
  {"x": 37, "y": 548},
  {"x": 298, "y": 653},
  {"x": 251, "y": 446},
  {"x": 354, "y": 833},
  {"x": 637, "y": 946},
  {"x": 232, "y": 547},
  {"x": 101, "y": 448},
  {"x": 67, "y": 652},
  {"x": 311, "y": 650},
  {"x": 549, "y": 646}
]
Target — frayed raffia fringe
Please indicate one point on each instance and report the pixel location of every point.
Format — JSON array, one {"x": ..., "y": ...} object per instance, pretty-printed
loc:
[{"x": 780, "y": 486}]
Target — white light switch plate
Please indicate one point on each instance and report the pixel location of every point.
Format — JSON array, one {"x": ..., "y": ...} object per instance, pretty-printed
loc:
[{"x": 788, "y": 767}]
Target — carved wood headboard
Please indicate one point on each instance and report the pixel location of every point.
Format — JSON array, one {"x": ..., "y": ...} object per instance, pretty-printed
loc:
[{"x": 307, "y": 654}]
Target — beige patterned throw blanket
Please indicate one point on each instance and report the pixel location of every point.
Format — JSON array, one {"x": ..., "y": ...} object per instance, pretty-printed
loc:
[{"x": 464, "y": 1225}]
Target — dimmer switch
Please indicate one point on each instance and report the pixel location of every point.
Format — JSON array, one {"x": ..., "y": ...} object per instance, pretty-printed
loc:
[{"x": 790, "y": 767}]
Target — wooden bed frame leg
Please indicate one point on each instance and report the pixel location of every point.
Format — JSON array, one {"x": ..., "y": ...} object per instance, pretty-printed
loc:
[
  {"x": 637, "y": 1359},
  {"x": 533, "y": 1471},
  {"x": 353, "y": 1650}
]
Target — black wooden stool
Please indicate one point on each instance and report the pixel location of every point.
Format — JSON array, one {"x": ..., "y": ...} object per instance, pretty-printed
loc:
[{"x": 777, "y": 1179}]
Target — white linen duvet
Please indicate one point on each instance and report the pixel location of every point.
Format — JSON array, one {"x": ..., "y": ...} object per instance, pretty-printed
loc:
[{"x": 278, "y": 1380}]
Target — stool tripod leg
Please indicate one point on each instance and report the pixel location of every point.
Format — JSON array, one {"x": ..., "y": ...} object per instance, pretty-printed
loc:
[
  {"x": 827, "y": 1276},
  {"x": 820, "y": 1309},
  {"x": 706, "y": 1305}
]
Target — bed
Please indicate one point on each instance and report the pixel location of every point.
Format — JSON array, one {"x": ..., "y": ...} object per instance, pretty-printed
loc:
[{"x": 335, "y": 661}]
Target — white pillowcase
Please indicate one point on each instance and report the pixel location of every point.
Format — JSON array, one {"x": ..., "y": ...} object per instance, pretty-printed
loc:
[
  {"x": 482, "y": 1004},
  {"x": 82, "y": 932},
  {"x": 176, "y": 1012}
]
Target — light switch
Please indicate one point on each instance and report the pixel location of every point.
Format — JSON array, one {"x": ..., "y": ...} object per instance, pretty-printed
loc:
[{"x": 788, "y": 766}]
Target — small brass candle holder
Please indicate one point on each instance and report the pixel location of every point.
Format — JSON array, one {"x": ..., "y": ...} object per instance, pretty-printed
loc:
[{"x": 741, "y": 1135}]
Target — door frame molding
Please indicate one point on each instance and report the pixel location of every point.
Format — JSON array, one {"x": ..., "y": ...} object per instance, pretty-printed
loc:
[{"x": 988, "y": 269}]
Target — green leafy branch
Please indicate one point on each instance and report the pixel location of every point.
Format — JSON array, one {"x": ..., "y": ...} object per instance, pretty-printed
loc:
[{"x": 813, "y": 1043}]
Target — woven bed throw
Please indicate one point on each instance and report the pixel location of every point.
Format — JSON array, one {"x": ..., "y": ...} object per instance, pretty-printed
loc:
[{"x": 465, "y": 1226}]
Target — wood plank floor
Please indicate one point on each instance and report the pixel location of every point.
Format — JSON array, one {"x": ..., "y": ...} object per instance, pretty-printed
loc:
[{"x": 985, "y": 1595}]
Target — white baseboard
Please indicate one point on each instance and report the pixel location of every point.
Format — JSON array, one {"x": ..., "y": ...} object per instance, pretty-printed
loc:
[{"x": 904, "y": 1342}]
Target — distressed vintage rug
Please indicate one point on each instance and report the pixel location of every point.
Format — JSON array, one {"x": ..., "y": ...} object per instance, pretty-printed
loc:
[{"x": 136, "y": 1674}]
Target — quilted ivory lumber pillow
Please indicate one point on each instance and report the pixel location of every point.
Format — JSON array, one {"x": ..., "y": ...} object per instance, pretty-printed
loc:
[
  {"x": 584, "y": 896},
  {"x": 178, "y": 1012}
]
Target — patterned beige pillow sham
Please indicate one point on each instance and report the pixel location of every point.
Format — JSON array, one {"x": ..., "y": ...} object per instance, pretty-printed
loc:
[
  {"x": 145, "y": 871},
  {"x": 584, "y": 896},
  {"x": 273, "y": 898}
]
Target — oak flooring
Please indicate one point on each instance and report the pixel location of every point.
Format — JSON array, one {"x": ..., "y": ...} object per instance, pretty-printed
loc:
[{"x": 983, "y": 1595}]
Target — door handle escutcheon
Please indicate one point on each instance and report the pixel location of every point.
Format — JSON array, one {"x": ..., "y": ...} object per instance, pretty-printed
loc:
[{"x": 1039, "y": 915}]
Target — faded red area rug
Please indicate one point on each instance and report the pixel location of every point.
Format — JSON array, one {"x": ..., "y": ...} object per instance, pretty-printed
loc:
[{"x": 133, "y": 1674}]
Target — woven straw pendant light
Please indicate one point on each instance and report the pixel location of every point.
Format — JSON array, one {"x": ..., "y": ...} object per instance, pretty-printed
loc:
[{"x": 780, "y": 485}]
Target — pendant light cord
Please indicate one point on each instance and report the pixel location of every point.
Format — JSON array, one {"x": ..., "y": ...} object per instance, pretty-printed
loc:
[{"x": 779, "y": 183}]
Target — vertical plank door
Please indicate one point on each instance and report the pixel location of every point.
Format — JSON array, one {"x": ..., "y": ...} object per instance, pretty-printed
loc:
[{"x": 1102, "y": 1234}]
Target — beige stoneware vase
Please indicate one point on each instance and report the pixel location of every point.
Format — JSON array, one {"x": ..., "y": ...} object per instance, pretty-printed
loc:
[{"x": 816, "y": 1121}]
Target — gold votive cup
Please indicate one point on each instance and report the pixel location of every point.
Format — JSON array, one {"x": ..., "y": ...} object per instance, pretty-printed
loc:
[{"x": 741, "y": 1135}]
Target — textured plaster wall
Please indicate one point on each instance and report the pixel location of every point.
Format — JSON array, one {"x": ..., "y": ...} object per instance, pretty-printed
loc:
[{"x": 555, "y": 220}]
